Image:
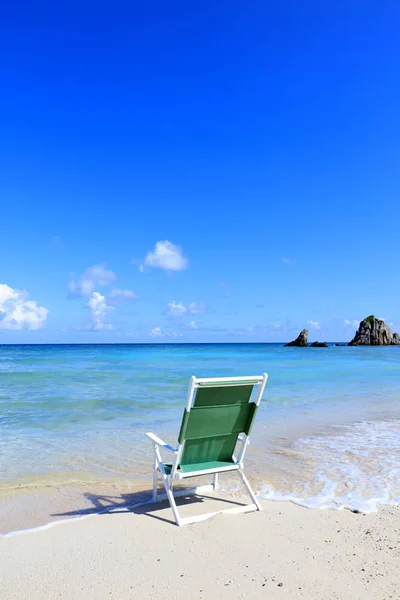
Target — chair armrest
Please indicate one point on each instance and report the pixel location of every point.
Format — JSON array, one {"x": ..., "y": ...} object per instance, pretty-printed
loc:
[
  {"x": 242, "y": 438},
  {"x": 159, "y": 442}
]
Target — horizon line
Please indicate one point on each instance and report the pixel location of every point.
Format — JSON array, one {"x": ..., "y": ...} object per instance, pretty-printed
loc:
[{"x": 149, "y": 343}]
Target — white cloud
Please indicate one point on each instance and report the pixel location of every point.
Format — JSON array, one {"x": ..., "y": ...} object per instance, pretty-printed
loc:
[
  {"x": 117, "y": 296},
  {"x": 156, "y": 332},
  {"x": 176, "y": 309},
  {"x": 16, "y": 312},
  {"x": 352, "y": 323},
  {"x": 314, "y": 324},
  {"x": 195, "y": 309},
  {"x": 281, "y": 328},
  {"x": 99, "y": 309},
  {"x": 97, "y": 274},
  {"x": 166, "y": 256},
  {"x": 193, "y": 325},
  {"x": 288, "y": 261}
]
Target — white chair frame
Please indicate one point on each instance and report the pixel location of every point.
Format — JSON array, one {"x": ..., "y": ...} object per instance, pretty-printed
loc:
[{"x": 176, "y": 474}]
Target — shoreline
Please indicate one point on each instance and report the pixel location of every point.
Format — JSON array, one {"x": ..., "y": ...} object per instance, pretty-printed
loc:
[
  {"x": 36, "y": 500},
  {"x": 40, "y": 506},
  {"x": 44, "y": 500}
]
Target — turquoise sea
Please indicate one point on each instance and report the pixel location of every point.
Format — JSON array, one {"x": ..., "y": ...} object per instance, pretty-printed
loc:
[{"x": 327, "y": 433}]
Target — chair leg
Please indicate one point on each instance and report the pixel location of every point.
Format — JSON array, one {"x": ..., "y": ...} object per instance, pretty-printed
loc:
[
  {"x": 171, "y": 499},
  {"x": 168, "y": 488},
  {"x": 249, "y": 489},
  {"x": 215, "y": 482},
  {"x": 155, "y": 477}
]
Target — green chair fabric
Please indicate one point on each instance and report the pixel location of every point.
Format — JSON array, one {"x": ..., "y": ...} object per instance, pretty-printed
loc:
[{"x": 211, "y": 428}]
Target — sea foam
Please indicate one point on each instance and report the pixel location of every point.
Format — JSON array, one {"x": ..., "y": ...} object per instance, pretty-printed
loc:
[{"x": 357, "y": 468}]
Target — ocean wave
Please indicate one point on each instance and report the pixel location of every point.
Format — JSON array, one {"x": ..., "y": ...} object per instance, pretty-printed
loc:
[{"x": 357, "y": 469}]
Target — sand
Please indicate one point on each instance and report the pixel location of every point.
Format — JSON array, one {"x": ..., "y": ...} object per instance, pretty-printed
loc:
[{"x": 283, "y": 552}]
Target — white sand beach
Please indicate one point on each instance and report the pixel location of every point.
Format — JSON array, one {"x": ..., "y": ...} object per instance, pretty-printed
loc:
[{"x": 283, "y": 552}]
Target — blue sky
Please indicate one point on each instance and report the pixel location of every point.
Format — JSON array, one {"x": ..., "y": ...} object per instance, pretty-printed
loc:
[{"x": 213, "y": 172}]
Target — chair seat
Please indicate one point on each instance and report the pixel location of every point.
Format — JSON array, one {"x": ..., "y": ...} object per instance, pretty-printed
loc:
[{"x": 215, "y": 465}]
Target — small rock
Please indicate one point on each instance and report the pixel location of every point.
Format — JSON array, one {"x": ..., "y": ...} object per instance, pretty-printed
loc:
[
  {"x": 396, "y": 339},
  {"x": 301, "y": 341}
]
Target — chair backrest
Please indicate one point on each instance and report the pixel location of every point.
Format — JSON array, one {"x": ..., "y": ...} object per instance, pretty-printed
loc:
[{"x": 217, "y": 412}]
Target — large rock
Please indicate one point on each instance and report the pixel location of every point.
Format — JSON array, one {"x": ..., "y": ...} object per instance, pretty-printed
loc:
[
  {"x": 319, "y": 345},
  {"x": 374, "y": 332},
  {"x": 301, "y": 340}
]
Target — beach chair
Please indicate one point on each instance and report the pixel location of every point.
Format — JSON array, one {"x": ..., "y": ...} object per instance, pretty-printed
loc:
[{"x": 213, "y": 439}]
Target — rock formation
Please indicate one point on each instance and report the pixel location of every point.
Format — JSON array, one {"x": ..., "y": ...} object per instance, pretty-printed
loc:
[
  {"x": 319, "y": 345},
  {"x": 396, "y": 339},
  {"x": 301, "y": 340},
  {"x": 374, "y": 332}
]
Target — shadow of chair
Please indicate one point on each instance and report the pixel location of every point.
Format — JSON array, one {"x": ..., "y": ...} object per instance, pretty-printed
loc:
[{"x": 139, "y": 503}]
